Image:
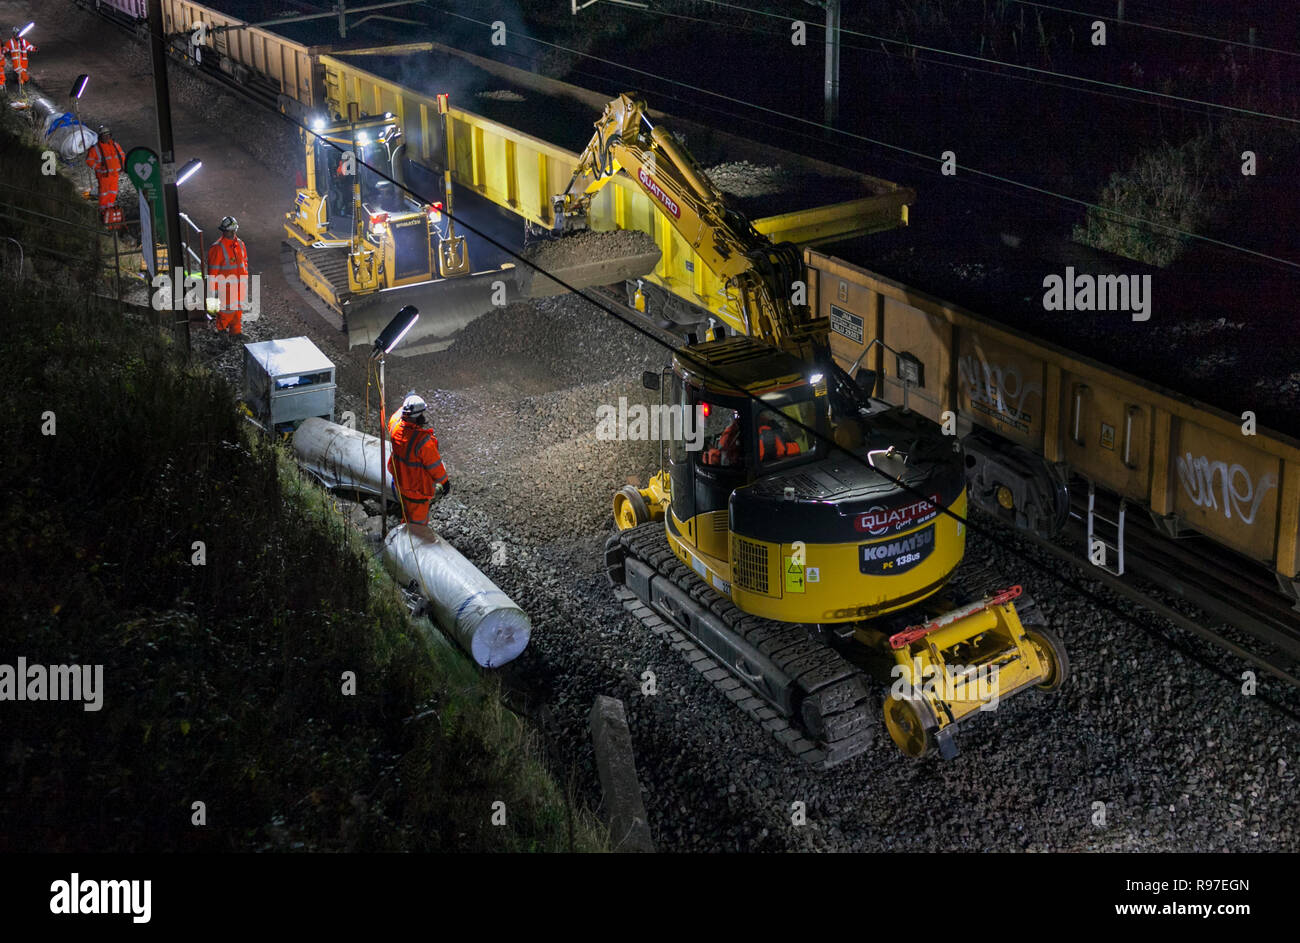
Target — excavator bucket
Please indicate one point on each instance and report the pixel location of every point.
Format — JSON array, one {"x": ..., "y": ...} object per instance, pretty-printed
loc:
[
  {"x": 584, "y": 259},
  {"x": 965, "y": 661}
]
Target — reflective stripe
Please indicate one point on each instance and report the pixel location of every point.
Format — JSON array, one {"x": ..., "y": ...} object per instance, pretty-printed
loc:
[{"x": 107, "y": 160}]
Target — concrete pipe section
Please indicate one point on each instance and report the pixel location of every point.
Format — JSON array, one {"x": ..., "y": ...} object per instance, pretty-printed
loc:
[{"x": 465, "y": 603}]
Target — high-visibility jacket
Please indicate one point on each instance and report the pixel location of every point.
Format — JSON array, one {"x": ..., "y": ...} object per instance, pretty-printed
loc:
[
  {"x": 16, "y": 50},
  {"x": 727, "y": 451},
  {"x": 228, "y": 273},
  {"x": 772, "y": 445},
  {"x": 416, "y": 466},
  {"x": 106, "y": 159}
]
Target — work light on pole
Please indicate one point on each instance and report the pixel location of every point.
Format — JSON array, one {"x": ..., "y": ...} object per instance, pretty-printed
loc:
[{"x": 388, "y": 339}]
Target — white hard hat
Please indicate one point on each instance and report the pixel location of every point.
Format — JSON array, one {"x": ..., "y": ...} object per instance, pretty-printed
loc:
[{"x": 413, "y": 405}]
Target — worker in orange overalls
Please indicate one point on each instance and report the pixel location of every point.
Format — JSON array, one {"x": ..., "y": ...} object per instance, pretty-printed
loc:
[
  {"x": 416, "y": 466},
  {"x": 15, "y": 52},
  {"x": 106, "y": 159},
  {"x": 773, "y": 441},
  {"x": 228, "y": 278}
]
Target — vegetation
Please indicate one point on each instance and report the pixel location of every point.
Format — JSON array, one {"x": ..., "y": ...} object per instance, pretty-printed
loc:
[
  {"x": 147, "y": 528},
  {"x": 1191, "y": 187}
]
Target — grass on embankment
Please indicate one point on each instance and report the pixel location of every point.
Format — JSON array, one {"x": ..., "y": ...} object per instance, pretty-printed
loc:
[{"x": 223, "y": 682}]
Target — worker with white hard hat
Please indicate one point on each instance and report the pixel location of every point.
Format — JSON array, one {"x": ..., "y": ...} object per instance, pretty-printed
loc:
[
  {"x": 228, "y": 279},
  {"x": 416, "y": 465}
]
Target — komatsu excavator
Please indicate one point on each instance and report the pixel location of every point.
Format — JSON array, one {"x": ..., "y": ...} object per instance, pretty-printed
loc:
[{"x": 808, "y": 539}]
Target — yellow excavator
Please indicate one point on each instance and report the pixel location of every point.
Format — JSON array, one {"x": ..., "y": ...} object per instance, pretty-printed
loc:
[{"x": 802, "y": 533}]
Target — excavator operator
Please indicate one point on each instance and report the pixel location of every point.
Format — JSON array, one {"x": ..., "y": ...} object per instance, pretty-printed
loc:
[
  {"x": 727, "y": 451},
  {"x": 774, "y": 441}
]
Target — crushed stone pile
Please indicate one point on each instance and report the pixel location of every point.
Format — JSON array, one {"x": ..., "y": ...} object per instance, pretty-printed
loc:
[
  {"x": 588, "y": 246},
  {"x": 741, "y": 178},
  {"x": 500, "y": 95}
]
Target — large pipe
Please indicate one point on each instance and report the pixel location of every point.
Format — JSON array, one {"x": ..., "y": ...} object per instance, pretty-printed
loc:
[
  {"x": 468, "y": 606},
  {"x": 340, "y": 457},
  {"x": 63, "y": 131}
]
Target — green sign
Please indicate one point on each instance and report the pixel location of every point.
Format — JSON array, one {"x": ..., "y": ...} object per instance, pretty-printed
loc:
[{"x": 145, "y": 171}]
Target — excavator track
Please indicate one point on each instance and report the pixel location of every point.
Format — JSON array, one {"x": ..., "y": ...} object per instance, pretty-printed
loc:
[{"x": 806, "y": 694}]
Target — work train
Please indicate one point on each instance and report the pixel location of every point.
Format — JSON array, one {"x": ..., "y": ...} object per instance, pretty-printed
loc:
[{"x": 1044, "y": 429}]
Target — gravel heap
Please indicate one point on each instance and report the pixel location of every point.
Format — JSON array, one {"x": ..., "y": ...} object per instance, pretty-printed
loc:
[
  {"x": 760, "y": 190},
  {"x": 741, "y": 178},
  {"x": 500, "y": 95},
  {"x": 588, "y": 246}
]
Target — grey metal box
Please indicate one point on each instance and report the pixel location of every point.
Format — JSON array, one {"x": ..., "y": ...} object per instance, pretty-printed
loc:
[{"x": 287, "y": 381}]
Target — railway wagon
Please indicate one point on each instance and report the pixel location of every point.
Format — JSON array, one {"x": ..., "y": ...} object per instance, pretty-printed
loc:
[
  {"x": 1031, "y": 410},
  {"x": 134, "y": 10},
  {"x": 514, "y": 139},
  {"x": 281, "y": 63}
]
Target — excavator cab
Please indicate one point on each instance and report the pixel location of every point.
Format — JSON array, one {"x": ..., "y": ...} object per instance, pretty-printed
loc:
[
  {"x": 734, "y": 439},
  {"x": 751, "y": 490}
]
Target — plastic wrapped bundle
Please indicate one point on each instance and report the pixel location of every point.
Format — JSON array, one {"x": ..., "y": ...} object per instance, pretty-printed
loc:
[
  {"x": 469, "y": 607},
  {"x": 340, "y": 457},
  {"x": 68, "y": 137}
]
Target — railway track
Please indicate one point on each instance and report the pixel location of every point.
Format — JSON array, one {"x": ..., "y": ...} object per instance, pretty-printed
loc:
[{"x": 1223, "y": 586}]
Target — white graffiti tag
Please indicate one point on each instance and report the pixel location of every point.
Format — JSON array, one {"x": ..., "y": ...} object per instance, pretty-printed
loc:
[
  {"x": 997, "y": 388},
  {"x": 1239, "y": 490}
]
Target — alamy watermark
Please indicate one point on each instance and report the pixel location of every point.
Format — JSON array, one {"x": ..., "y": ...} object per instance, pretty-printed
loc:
[
  {"x": 198, "y": 294},
  {"x": 639, "y": 423},
  {"x": 1086, "y": 292},
  {"x": 79, "y": 896},
  {"x": 24, "y": 682},
  {"x": 946, "y": 683}
]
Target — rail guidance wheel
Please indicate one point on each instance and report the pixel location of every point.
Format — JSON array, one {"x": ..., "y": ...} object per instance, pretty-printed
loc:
[
  {"x": 629, "y": 508},
  {"x": 1052, "y": 651},
  {"x": 911, "y": 725}
]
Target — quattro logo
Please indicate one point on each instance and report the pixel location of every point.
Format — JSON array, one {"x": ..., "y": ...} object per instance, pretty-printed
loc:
[
  {"x": 658, "y": 193},
  {"x": 879, "y": 520},
  {"x": 889, "y": 557}
]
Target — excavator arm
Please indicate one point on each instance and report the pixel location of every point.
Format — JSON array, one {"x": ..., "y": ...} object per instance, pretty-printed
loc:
[{"x": 760, "y": 275}]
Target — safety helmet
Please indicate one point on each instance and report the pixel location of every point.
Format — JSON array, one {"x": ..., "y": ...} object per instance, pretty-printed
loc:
[
  {"x": 104, "y": 132},
  {"x": 414, "y": 405},
  {"x": 229, "y": 224},
  {"x": 17, "y": 31}
]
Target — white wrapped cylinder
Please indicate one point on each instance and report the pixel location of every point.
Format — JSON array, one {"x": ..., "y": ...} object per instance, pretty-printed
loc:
[
  {"x": 340, "y": 457},
  {"x": 469, "y": 607},
  {"x": 71, "y": 141},
  {"x": 63, "y": 132},
  {"x": 465, "y": 603}
]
